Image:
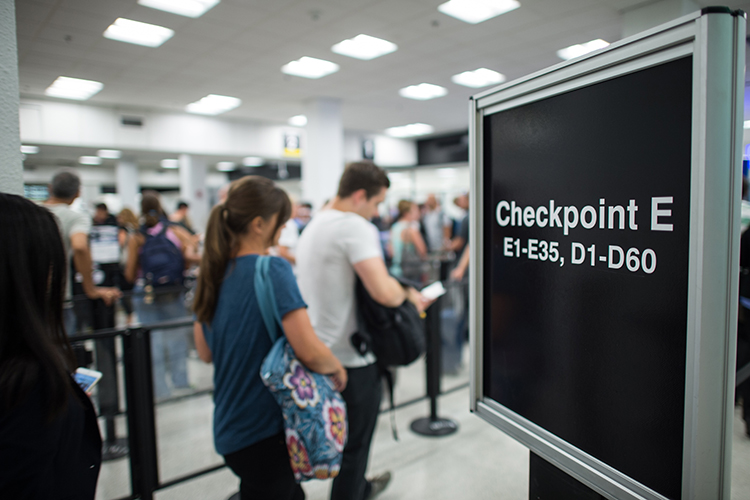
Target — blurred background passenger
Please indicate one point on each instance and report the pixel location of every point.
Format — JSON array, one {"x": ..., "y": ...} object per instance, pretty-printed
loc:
[
  {"x": 128, "y": 223},
  {"x": 288, "y": 240},
  {"x": 102, "y": 216},
  {"x": 461, "y": 234},
  {"x": 436, "y": 224},
  {"x": 180, "y": 217},
  {"x": 50, "y": 446},
  {"x": 75, "y": 227},
  {"x": 157, "y": 257},
  {"x": 248, "y": 424},
  {"x": 304, "y": 214},
  {"x": 408, "y": 247}
]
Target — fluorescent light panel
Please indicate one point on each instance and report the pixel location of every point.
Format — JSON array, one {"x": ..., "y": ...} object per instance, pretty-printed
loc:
[
  {"x": 581, "y": 49},
  {"x": 225, "y": 166},
  {"x": 110, "y": 154},
  {"x": 747, "y": 123},
  {"x": 411, "y": 130},
  {"x": 127, "y": 30},
  {"x": 310, "y": 67},
  {"x": 423, "y": 91},
  {"x": 187, "y": 8},
  {"x": 90, "y": 160},
  {"x": 298, "y": 120},
  {"x": 29, "y": 150},
  {"x": 73, "y": 88},
  {"x": 481, "y": 77},
  {"x": 252, "y": 161},
  {"x": 364, "y": 47},
  {"x": 213, "y": 104},
  {"x": 170, "y": 163},
  {"x": 477, "y": 11}
]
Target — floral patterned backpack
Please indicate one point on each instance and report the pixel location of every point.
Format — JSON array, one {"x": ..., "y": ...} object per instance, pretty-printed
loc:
[{"x": 314, "y": 411}]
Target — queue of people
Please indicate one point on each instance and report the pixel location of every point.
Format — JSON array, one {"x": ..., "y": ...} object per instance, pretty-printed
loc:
[{"x": 317, "y": 310}]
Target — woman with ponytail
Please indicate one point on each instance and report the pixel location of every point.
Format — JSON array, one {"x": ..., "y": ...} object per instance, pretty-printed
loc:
[
  {"x": 248, "y": 425},
  {"x": 159, "y": 295}
]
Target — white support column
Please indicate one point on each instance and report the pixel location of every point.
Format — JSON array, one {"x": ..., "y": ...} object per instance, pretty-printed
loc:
[
  {"x": 323, "y": 154},
  {"x": 643, "y": 17},
  {"x": 126, "y": 177},
  {"x": 193, "y": 189},
  {"x": 11, "y": 166}
]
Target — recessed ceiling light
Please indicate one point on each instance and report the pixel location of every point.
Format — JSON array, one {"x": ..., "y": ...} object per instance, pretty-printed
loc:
[
  {"x": 90, "y": 160},
  {"x": 188, "y": 8},
  {"x": 252, "y": 161},
  {"x": 747, "y": 123},
  {"x": 73, "y": 88},
  {"x": 110, "y": 154},
  {"x": 126, "y": 30},
  {"x": 481, "y": 77},
  {"x": 423, "y": 91},
  {"x": 213, "y": 104},
  {"x": 476, "y": 11},
  {"x": 364, "y": 47},
  {"x": 581, "y": 49},
  {"x": 298, "y": 120},
  {"x": 225, "y": 166},
  {"x": 29, "y": 150},
  {"x": 170, "y": 163},
  {"x": 411, "y": 130},
  {"x": 310, "y": 67}
]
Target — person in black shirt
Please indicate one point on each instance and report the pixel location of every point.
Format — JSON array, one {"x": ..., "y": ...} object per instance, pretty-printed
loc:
[{"x": 50, "y": 445}]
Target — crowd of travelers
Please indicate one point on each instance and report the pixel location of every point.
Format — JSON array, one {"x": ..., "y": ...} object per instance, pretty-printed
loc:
[{"x": 142, "y": 260}]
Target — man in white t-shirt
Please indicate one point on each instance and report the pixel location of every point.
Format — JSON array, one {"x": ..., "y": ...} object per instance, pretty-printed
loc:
[
  {"x": 337, "y": 245},
  {"x": 74, "y": 229}
]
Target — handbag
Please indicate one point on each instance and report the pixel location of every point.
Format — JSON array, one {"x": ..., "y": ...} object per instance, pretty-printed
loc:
[{"x": 314, "y": 412}]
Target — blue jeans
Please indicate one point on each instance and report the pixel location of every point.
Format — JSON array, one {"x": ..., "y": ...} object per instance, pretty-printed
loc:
[{"x": 169, "y": 347}]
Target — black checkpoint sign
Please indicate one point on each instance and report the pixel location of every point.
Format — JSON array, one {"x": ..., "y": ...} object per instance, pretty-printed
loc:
[{"x": 585, "y": 326}]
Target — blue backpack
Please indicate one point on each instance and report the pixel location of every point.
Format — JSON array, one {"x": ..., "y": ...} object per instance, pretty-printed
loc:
[{"x": 162, "y": 262}]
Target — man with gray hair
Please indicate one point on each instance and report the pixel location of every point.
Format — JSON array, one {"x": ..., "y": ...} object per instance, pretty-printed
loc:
[{"x": 74, "y": 228}]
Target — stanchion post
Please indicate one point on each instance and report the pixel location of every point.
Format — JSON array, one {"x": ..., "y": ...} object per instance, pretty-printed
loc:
[
  {"x": 433, "y": 425},
  {"x": 144, "y": 473}
]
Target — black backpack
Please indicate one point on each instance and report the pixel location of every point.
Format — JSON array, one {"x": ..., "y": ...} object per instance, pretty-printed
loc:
[{"x": 395, "y": 335}]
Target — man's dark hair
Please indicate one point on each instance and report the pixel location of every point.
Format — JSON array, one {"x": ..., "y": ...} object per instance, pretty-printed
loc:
[
  {"x": 362, "y": 175},
  {"x": 65, "y": 185},
  {"x": 182, "y": 204},
  {"x": 102, "y": 206}
]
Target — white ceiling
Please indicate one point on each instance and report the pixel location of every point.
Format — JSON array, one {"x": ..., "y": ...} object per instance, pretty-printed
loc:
[{"x": 238, "y": 47}]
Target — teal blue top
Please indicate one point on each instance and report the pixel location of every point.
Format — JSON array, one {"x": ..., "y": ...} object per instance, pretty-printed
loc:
[
  {"x": 245, "y": 411},
  {"x": 399, "y": 246}
]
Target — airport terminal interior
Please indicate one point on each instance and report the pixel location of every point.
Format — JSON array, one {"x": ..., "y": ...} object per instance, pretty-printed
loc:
[{"x": 183, "y": 97}]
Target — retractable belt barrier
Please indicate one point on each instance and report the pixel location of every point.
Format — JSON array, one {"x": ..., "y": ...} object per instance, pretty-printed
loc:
[{"x": 141, "y": 440}]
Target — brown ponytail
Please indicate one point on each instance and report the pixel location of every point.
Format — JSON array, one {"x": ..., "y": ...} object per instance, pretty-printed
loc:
[
  {"x": 248, "y": 198},
  {"x": 151, "y": 210}
]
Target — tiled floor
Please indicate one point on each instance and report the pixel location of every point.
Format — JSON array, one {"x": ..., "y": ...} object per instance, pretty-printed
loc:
[{"x": 477, "y": 462}]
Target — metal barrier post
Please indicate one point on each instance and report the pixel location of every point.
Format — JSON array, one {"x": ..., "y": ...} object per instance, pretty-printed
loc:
[
  {"x": 144, "y": 473},
  {"x": 433, "y": 425}
]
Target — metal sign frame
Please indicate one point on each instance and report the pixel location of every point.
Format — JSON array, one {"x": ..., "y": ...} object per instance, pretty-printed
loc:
[{"x": 715, "y": 38}]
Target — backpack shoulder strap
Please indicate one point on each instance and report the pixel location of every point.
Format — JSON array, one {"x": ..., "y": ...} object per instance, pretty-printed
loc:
[{"x": 266, "y": 298}]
